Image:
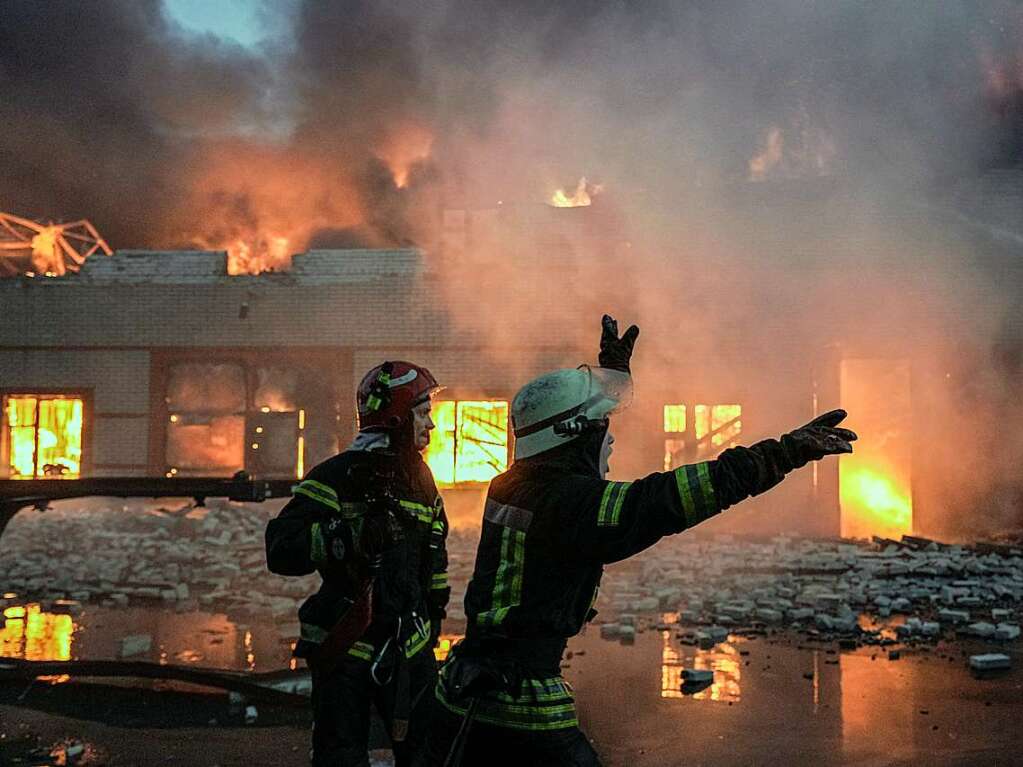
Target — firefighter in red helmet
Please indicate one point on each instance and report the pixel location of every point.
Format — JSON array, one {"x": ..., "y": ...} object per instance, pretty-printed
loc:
[{"x": 371, "y": 523}]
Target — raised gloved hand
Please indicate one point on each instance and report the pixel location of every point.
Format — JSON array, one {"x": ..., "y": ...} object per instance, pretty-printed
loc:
[
  {"x": 616, "y": 352},
  {"x": 817, "y": 439}
]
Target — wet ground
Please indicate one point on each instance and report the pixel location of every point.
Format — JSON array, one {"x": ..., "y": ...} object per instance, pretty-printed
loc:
[{"x": 774, "y": 699}]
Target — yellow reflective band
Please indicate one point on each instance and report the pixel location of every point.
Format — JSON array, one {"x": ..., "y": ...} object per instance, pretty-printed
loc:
[
  {"x": 709, "y": 499},
  {"x": 420, "y": 511},
  {"x": 604, "y": 501},
  {"x": 413, "y": 644},
  {"x": 611, "y": 503},
  {"x": 536, "y": 718},
  {"x": 508, "y": 581},
  {"x": 318, "y": 492},
  {"x": 696, "y": 493},
  {"x": 317, "y": 546},
  {"x": 417, "y": 641},
  {"x": 361, "y": 650},
  {"x": 440, "y": 581}
]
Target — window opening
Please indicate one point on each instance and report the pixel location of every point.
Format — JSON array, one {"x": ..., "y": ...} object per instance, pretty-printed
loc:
[
  {"x": 709, "y": 430},
  {"x": 469, "y": 442},
  {"x": 43, "y": 436}
]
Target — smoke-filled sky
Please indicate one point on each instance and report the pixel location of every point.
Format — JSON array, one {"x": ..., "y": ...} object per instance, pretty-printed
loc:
[
  {"x": 268, "y": 128},
  {"x": 348, "y": 122}
]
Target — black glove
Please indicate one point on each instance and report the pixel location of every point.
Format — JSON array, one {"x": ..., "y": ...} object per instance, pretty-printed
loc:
[
  {"x": 818, "y": 439},
  {"x": 473, "y": 677},
  {"x": 616, "y": 352}
]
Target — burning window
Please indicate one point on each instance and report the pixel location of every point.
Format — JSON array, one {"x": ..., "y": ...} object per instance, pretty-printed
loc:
[
  {"x": 206, "y": 432},
  {"x": 229, "y": 416},
  {"x": 470, "y": 441},
  {"x": 711, "y": 429},
  {"x": 42, "y": 436}
]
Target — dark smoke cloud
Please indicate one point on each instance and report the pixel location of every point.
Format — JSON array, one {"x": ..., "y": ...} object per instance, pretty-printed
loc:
[
  {"x": 109, "y": 108},
  {"x": 360, "y": 121},
  {"x": 98, "y": 101}
]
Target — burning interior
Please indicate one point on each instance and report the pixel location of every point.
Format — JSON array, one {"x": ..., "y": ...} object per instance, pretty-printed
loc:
[
  {"x": 42, "y": 436},
  {"x": 470, "y": 441}
]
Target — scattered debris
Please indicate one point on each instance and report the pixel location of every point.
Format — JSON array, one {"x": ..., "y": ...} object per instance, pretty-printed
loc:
[
  {"x": 854, "y": 592},
  {"x": 136, "y": 644},
  {"x": 990, "y": 662},
  {"x": 695, "y": 680},
  {"x": 209, "y": 558}
]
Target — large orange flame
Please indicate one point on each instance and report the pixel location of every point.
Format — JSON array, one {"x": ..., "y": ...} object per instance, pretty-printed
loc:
[{"x": 873, "y": 502}]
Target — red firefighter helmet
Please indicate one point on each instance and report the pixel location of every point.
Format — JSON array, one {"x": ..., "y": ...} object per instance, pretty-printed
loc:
[{"x": 389, "y": 391}]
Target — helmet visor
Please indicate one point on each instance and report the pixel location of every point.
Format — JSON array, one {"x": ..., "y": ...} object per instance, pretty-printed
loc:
[{"x": 610, "y": 391}]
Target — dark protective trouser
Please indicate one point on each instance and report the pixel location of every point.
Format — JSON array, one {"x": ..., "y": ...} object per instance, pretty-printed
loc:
[
  {"x": 341, "y": 716},
  {"x": 490, "y": 746}
]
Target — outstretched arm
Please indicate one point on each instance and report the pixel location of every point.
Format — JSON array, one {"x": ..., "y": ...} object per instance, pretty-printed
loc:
[{"x": 609, "y": 521}]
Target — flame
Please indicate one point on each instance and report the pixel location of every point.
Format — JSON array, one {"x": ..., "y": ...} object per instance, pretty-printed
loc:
[
  {"x": 51, "y": 249},
  {"x": 47, "y": 256},
  {"x": 470, "y": 441},
  {"x": 873, "y": 502},
  {"x": 264, "y": 254},
  {"x": 260, "y": 203},
  {"x": 444, "y": 644},
  {"x": 582, "y": 197},
  {"x": 45, "y": 436},
  {"x": 722, "y": 423},
  {"x": 875, "y": 480}
]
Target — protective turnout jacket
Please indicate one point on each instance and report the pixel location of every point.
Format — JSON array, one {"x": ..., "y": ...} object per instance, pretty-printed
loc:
[
  {"x": 411, "y": 587},
  {"x": 550, "y": 525}
]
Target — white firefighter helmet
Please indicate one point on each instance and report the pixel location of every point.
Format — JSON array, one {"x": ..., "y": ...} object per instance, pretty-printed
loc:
[{"x": 559, "y": 406}]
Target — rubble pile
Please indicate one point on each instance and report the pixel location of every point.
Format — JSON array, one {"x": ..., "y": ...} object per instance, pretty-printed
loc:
[
  {"x": 882, "y": 592},
  {"x": 209, "y": 558}
]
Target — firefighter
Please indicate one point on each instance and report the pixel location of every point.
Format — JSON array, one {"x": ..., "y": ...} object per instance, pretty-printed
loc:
[
  {"x": 371, "y": 523},
  {"x": 550, "y": 525}
]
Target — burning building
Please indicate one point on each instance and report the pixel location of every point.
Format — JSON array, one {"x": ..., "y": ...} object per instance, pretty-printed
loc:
[{"x": 165, "y": 364}]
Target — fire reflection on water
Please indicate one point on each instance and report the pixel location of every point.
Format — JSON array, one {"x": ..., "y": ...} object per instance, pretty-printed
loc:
[
  {"x": 30, "y": 634},
  {"x": 723, "y": 659}
]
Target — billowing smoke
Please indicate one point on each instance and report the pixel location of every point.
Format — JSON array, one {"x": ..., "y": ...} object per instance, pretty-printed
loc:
[{"x": 778, "y": 178}]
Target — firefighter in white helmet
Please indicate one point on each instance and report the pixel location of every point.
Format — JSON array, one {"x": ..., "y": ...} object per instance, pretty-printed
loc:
[{"x": 551, "y": 523}]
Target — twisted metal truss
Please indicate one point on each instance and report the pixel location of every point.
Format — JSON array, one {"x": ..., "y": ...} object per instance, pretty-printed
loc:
[{"x": 28, "y": 247}]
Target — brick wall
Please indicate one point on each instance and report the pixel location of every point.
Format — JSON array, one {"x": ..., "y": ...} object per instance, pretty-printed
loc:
[{"x": 116, "y": 384}]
